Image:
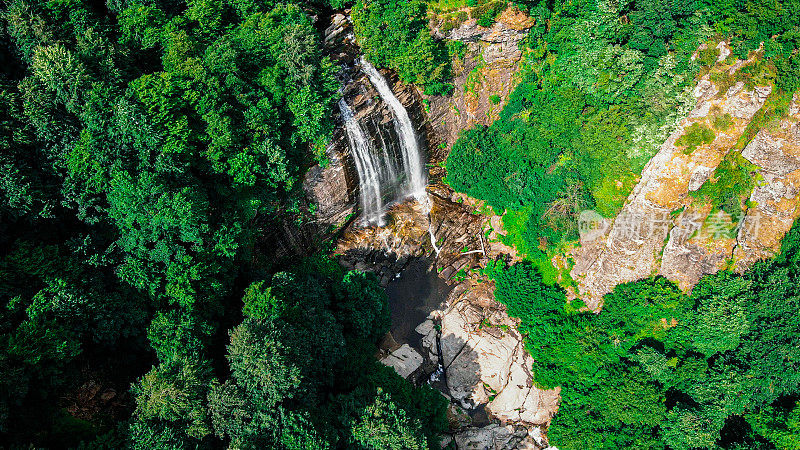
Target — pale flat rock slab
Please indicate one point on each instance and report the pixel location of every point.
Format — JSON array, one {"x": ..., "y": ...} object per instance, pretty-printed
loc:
[
  {"x": 425, "y": 327},
  {"x": 486, "y": 362},
  {"x": 405, "y": 360}
]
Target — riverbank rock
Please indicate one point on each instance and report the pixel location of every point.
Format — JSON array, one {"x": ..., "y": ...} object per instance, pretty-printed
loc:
[{"x": 485, "y": 360}]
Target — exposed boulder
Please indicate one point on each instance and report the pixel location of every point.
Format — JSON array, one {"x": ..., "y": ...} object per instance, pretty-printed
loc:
[
  {"x": 485, "y": 359},
  {"x": 405, "y": 361}
]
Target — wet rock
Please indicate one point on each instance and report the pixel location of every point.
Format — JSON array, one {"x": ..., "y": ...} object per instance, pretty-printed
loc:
[
  {"x": 108, "y": 395},
  {"x": 446, "y": 441},
  {"x": 457, "y": 417},
  {"x": 431, "y": 343}
]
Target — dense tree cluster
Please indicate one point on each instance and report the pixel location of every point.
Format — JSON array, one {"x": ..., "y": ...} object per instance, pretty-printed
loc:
[
  {"x": 395, "y": 34},
  {"x": 302, "y": 375},
  {"x": 148, "y": 150},
  {"x": 657, "y": 368}
]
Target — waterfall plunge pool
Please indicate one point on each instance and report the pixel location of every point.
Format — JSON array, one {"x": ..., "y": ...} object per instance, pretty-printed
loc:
[{"x": 412, "y": 296}]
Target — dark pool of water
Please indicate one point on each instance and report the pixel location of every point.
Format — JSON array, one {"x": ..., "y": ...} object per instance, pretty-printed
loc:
[{"x": 413, "y": 296}]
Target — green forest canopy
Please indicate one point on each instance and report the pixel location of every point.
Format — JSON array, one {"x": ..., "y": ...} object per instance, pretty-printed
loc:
[
  {"x": 149, "y": 150},
  {"x": 149, "y": 147}
]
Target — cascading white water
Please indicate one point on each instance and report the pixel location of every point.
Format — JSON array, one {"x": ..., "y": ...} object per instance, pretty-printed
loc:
[
  {"x": 368, "y": 175},
  {"x": 393, "y": 171},
  {"x": 412, "y": 156}
]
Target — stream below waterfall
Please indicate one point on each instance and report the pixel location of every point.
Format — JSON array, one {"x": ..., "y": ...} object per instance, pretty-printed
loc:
[{"x": 412, "y": 296}]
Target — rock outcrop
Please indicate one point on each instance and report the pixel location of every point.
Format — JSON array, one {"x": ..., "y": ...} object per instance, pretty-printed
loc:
[
  {"x": 664, "y": 228},
  {"x": 332, "y": 188},
  {"x": 483, "y": 79},
  {"x": 776, "y": 151},
  {"x": 405, "y": 361},
  {"x": 485, "y": 360}
]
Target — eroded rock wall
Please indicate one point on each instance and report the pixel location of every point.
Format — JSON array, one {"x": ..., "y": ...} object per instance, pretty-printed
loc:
[
  {"x": 334, "y": 188},
  {"x": 665, "y": 229},
  {"x": 483, "y": 80}
]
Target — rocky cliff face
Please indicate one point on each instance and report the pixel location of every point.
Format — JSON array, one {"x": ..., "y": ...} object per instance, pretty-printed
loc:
[
  {"x": 483, "y": 79},
  {"x": 334, "y": 188},
  {"x": 666, "y": 228},
  {"x": 485, "y": 358}
]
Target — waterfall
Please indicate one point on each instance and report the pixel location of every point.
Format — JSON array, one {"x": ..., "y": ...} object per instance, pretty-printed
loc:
[
  {"x": 387, "y": 170},
  {"x": 433, "y": 238},
  {"x": 368, "y": 175},
  {"x": 412, "y": 156}
]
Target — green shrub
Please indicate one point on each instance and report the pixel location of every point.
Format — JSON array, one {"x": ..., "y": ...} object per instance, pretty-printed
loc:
[
  {"x": 447, "y": 25},
  {"x": 457, "y": 50},
  {"x": 487, "y": 13},
  {"x": 708, "y": 56},
  {"x": 723, "y": 122},
  {"x": 732, "y": 182},
  {"x": 396, "y": 35},
  {"x": 696, "y": 135}
]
